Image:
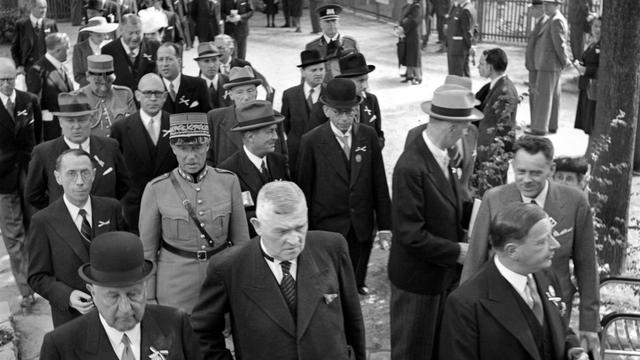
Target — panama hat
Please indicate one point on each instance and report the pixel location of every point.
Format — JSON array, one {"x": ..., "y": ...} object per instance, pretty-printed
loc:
[{"x": 452, "y": 103}]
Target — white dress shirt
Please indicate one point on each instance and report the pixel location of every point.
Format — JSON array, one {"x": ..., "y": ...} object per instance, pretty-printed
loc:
[
  {"x": 35, "y": 21},
  {"x": 328, "y": 39},
  {"x": 127, "y": 50},
  {"x": 115, "y": 338},
  {"x": 210, "y": 82},
  {"x": 256, "y": 161},
  {"x": 316, "y": 91},
  {"x": 340, "y": 136},
  {"x": 540, "y": 199},
  {"x": 85, "y": 145},
  {"x": 441, "y": 156},
  {"x": 74, "y": 212},
  {"x": 276, "y": 268},
  {"x": 157, "y": 122},
  {"x": 4, "y": 99},
  {"x": 175, "y": 82},
  {"x": 518, "y": 281}
]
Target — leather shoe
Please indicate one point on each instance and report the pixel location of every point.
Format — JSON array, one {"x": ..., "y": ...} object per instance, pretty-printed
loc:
[
  {"x": 553, "y": 131},
  {"x": 285, "y": 26},
  {"x": 416, "y": 81},
  {"x": 406, "y": 80},
  {"x": 363, "y": 290}
]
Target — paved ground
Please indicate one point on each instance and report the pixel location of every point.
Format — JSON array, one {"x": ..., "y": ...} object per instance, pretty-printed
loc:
[{"x": 275, "y": 52}]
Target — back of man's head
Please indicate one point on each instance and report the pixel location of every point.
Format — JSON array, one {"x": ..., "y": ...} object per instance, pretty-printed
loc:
[
  {"x": 497, "y": 59},
  {"x": 513, "y": 223}
]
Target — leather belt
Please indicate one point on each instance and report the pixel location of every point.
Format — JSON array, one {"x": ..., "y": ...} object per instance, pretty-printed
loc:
[{"x": 200, "y": 255}]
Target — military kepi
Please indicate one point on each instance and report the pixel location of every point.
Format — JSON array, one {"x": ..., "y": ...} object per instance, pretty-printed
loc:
[
  {"x": 188, "y": 125},
  {"x": 329, "y": 11},
  {"x": 100, "y": 64}
]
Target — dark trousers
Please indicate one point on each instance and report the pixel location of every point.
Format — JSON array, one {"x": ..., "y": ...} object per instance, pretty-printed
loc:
[
  {"x": 241, "y": 47},
  {"x": 359, "y": 252},
  {"x": 285, "y": 11},
  {"x": 315, "y": 20},
  {"x": 459, "y": 64},
  {"x": 415, "y": 324}
]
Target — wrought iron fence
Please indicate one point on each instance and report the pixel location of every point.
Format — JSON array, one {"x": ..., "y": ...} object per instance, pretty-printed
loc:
[{"x": 60, "y": 10}]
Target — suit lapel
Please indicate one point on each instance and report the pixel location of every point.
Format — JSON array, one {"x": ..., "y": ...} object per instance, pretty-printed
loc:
[
  {"x": 163, "y": 149},
  {"x": 56, "y": 78},
  {"x": 67, "y": 230},
  {"x": 250, "y": 174},
  {"x": 552, "y": 315},
  {"x": 359, "y": 141},
  {"x": 332, "y": 151},
  {"x": 151, "y": 336},
  {"x": 6, "y": 121},
  {"x": 276, "y": 168},
  {"x": 554, "y": 203},
  {"x": 300, "y": 100},
  {"x": 308, "y": 290},
  {"x": 96, "y": 147},
  {"x": 435, "y": 173},
  {"x": 137, "y": 133},
  {"x": 97, "y": 345}
]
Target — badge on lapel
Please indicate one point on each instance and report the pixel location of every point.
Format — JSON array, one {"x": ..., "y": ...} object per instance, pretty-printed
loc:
[
  {"x": 328, "y": 298},
  {"x": 184, "y": 100},
  {"x": 102, "y": 223},
  {"x": 149, "y": 57},
  {"x": 558, "y": 233},
  {"x": 556, "y": 300},
  {"x": 194, "y": 104},
  {"x": 158, "y": 354},
  {"x": 100, "y": 162}
]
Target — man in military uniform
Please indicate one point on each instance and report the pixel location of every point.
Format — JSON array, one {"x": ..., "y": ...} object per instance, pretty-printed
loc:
[
  {"x": 113, "y": 102},
  {"x": 188, "y": 215},
  {"x": 331, "y": 44},
  {"x": 461, "y": 37},
  {"x": 28, "y": 44}
]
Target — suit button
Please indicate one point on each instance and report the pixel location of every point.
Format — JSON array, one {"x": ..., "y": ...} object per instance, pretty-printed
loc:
[
  {"x": 201, "y": 236},
  {"x": 202, "y": 224}
]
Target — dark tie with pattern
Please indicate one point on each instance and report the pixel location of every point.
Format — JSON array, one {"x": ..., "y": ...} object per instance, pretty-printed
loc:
[
  {"x": 288, "y": 286},
  {"x": 11, "y": 108},
  {"x": 85, "y": 228},
  {"x": 264, "y": 171}
]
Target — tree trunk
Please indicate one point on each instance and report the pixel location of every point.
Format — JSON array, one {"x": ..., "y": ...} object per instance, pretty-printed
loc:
[{"x": 615, "y": 129}]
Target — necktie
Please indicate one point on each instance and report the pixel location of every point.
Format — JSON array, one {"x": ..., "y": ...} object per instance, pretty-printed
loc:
[
  {"x": 132, "y": 57},
  {"x": 127, "y": 353},
  {"x": 534, "y": 301},
  {"x": 80, "y": 147},
  {"x": 151, "y": 129},
  {"x": 37, "y": 27},
  {"x": 172, "y": 92},
  {"x": 11, "y": 108},
  {"x": 344, "y": 143},
  {"x": 534, "y": 202},
  {"x": 264, "y": 171},
  {"x": 85, "y": 228},
  {"x": 288, "y": 287},
  {"x": 310, "y": 99},
  {"x": 455, "y": 154}
]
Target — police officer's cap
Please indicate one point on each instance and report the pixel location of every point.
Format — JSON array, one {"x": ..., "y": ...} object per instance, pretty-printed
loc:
[{"x": 329, "y": 11}]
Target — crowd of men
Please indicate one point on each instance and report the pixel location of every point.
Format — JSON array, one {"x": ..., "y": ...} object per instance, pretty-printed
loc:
[{"x": 146, "y": 185}]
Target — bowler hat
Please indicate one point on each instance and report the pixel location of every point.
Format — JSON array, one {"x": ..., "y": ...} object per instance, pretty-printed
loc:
[
  {"x": 452, "y": 103},
  {"x": 329, "y": 11},
  {"x": 256, "y": 114},
  {"x": 340, "y": 93},
  {"x": 239, "y": 76},
  {"x": 116, "y": 259},
  {"x": 100, "y": 64},
  {"x": 310, "y": 57},
  {"x": 207, "y": 50},
  {"x": 188, "y": 125},
  {"x": 354, "y": 65},
  {"x": 73, "y": 105},
  {"x": 99, "y": 24}
]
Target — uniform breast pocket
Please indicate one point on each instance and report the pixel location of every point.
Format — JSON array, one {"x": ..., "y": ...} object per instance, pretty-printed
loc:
[
  {"x": 177, "y": 225},
  {"x": 218, "y": 227}
]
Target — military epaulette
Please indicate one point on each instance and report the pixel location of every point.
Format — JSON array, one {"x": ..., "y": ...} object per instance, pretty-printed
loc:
[
  {"x": 161, "y": 177},
  {"x": 120, "y": 87},
  {"x": 347, "y": 37},
  {"x": 224, "y": 171}
]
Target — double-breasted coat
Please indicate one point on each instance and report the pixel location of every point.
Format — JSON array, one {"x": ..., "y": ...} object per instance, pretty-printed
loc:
[
  {"x": 28, "y": 46},
  {"x": 129, "y": 73}
]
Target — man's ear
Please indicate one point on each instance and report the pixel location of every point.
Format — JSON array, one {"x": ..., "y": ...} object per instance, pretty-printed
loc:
[
  {"x": 58, "y": 177},
  {"x": 553, "y": 169},
  {"x": 511, "y": 250},
  {"x": 256, "y": 225},
  {"x": 325, "y": 110},
  {"x": 90, "y": 289}
]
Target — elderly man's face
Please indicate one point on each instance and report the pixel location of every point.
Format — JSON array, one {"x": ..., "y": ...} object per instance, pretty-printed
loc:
[
  {"x": 7, "y": 78},
  {"x": 314, "y": 74},
  {"x": 536, "y": 250},
  {"x": 330, "y": 27},
  {"x": 191, "y": 157},
  {"x": 151, "y": 95},
  {"x": 132, "y": 35},
  {"x": 341, "y": 118},
  {"x": 568, "y": 178},
  {"x": 101, "y": 84},
  {"x": 168, "y": 63},
  {"x": 209, "y": 67},
  {"x": 39, "y": 9},
  {"x": 283, "y": 235},
  {"x": 263, "y": 141},
  {"x": 242, "y": 94},
  {"x": 549, "y": 8},
  {"x": 77, "y": 128},
  {"x": 122, "y": 308},
  {"x": 75, "y": 175},
  {"x": 226, "y": 49}
]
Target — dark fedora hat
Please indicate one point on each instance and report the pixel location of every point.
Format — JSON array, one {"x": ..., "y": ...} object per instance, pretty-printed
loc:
[
  {"x": 207, "y": 50},
  {"x": 353, "y": 65},
  {"x": 71, "y": 105},
  {"x": 239, "y": 76},
  {"x": 340, "y": 93},
  {"x": 256, "y": 114},
  {"x": 116, "y": 259},
  {"x": 310, "y": 57},
  {"x": 95, "y": 5}
]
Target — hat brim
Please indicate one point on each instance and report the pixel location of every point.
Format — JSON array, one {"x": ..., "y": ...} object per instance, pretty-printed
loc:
[
  {"x": 340, "y": 104},
  {"x": 354, "y": 74},
  {"x": 474, "y": 116},
  {"x": 230, "y": 85},
  {"x": 207, "y": 57},
  {"x": 148, "y": 269},
  {"x": 330, "y": 17},
  {"x": 101, "y": 29},
  {"x": 312, "y": 62},
  {"x": 276, "y": 120},
  {"x": 73, "y": 114}
]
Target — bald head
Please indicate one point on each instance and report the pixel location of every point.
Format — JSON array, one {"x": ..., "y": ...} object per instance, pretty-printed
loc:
[
  {"x": 8, "y": 74},
  {"x": 151, "y": 94},
  {"x": 150, "y": 81}
]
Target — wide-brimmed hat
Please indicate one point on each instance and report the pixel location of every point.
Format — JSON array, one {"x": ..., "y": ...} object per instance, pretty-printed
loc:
[
  {"x": 207, "y": 50},
  {"x": 73, "y": 105},
  {"x": 100, "y": 64},
  {"x": 152, "y": 20},
  {"x": 452, "y": 103},
  {"x": 310, "y": 57},
  {"x": 340, "y": 94},
  {"x": 329, "y": 11},
  {"x": 99, "y": 24},
  {"x": 256, "y": 114},
  {"x": 239, "y": 76},
  {"x": 188, "y": 125},
  {"x": 116, "y": 259},
  {"x": 353, "y": 65}
]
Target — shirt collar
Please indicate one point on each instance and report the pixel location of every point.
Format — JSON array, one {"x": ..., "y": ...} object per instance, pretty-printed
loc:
[
  {"x": 115, "y": 336},
  {"x": 127, "y": 50},
  {"x": 95, "y": 48},
  {"x": 4, "y": 98},
  {"x": 337, "y": 132},
  {"x": 306, "y": 88},
  {"x": 540, "y": 199},
  {"x": 74, "y": 210},
  {"x": 442, "y": 157},
  {"x": 85, "y": 144},
  {"x": 175, "y": 82},
  {"x": 56, "y": 64},
  {"x": 268, "y": 256},
  {"x": 518, "y": 281},
  {"x": 257, "y": 161},
  {"x": 146, "y": 118},
  {"x": 34, "y": 19},
  {"x": 213, "y": 81},
  {"x": 494, "y": 81},
  {"x": 189, "y": 178},
  {"x": 328, "y": 39}
]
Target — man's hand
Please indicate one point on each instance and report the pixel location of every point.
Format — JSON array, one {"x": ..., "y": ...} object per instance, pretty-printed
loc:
[
  {"x": 577, "y": 353},
  {"x": 463, "y": 252},
  {"x": 384, "y": 239},
  {"x": 590, "y": 341},
  {"x": 80, "y": 301}
]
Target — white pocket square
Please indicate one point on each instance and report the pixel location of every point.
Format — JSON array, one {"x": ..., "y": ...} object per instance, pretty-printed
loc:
[
  {"x": 31, "y": 122},
  {"x": 107, "y": 171},
  {"x": 328, "y": 298},
  {"x": 103, "y": 223},
  {"x": 194, "y": 104}
]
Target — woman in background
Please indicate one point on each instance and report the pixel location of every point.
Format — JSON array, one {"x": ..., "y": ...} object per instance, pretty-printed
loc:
[
  {"x": 410, "y": 22},
  {"x": 588, "y": 68}
]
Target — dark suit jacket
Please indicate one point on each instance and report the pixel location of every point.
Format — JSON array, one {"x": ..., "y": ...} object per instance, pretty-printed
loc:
[
  {"x": 225, "y": 142},
  {"x": 204, "y": 14},
  {"x": 427, "y": 215},
  {"x": 144, "y": 160},
  {"x": 239, "y": 30},
  {"x": 218, "y": 97},
  {"x": 17, "y": 139},
  {"x": 483, "y": 321},
  {"x": 80, "y": 52},
  {"x": 128, "y": 74},
  {"x": 28, "y": 47},
  {"x": 551, "y": 52},
  {"x": 239, "y": 281},
  {"x": 343, "y": 195},
  {"x": 112, "y": 176},
  {"x": 251, "y": 181},
  {"x": 44, "y": 80},
  {"x": 162, "y": 327},
  {"x": 570, "y": 208},
  {"x": 56, "y": 250},
  {"x": 192, "y": 96},
  {"x": 171, "y": 32},
  {"x": 496, "y": 123}
]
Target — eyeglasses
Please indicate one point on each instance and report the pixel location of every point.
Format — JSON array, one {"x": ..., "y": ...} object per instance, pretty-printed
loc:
[
  {"x": 9, "y": 80},
  {"x": 72, "y": 175},
  {"x": 150, "y": 93}
]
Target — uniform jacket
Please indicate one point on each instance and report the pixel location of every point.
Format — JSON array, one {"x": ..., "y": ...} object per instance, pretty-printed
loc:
[
  {"x": 161, "y": 327},
  {"x": 345, "y": 44},
  {"x": 461, "y": 29},
  {"x": 251, "y": 181},
  {"x": 551, "y": 52},
  {"x": 574, "y": 231},
  {"x": 111, "y": 180},
  {"x": 114, "y": 107},
  {"x": 483, "y": 321},
  {"x": 28, "y": 47},
  {"x": 144, "y": 160},
  {"x": 241, "y": 28},
  {"x": 329, "y": 322},
  {"x": 128, "y": 74},
  {"x": 344, "y": 194},
  {"x": 56, "y": 251},
  {"x": 217, "y": 202},
  {"x": 225, "y": 142},
  {"x": 427, "y": 216},
  {"x": 80, "y": 52},
  {"x": 17, "y": 139},
  {"x": 192, "y": 96},
  {"x": 529, "y": 55}
]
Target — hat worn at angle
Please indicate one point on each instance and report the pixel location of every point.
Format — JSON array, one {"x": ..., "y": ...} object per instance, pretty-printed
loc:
[
  {"x": 72, "y": 105},
  {"x": 452, "y": 103},
  {"x": 329, "y": 11},
  {"x": 310, "y": 57},
  {"x": 116, "y": 259},
  {"x": 354, "y": 65},
  {"x": 207, "y": 50},
  {"x": 99, "y": 24},
  {"x": 188, "y": 125},
  {"x": 340, "y": 94},
  {"x": 239, "y": 76},
  {"x": 100, "y": 64},
  {"x": 256, "y": 114}
]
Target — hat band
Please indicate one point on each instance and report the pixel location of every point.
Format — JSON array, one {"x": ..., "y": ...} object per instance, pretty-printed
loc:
[
  {"x": 71, "y": 108},
  {"x": 239, "y": 80},
  {"x": 256, "y": 121},
  {"x": 359, "y": 70},
  {"x": 209, "y": 52},
  {"x": 116, "y": 276},
  {"x": 181, "y": 130},
  {"x": 450, "y": 112}
]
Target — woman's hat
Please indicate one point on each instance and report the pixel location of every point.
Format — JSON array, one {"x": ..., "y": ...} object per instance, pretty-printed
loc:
[
  {"x": 310, "y": 57},
  {"x": 256, "y": 114},
  {"x": 340, "y": 94},
  {"x": 239, "y": 76},
  {"x": 99, "y": 24},
  {"x": 72, "y": 105},
  {"x": 116, "y": 259},
  {"x": 452, "y": 103},
  {"x": 353, "y": 65}
]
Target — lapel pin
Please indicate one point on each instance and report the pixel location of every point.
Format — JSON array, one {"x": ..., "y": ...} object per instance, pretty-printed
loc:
[
  {"x": 361, "y": 148},
  {"x": 22, "y": 112},
  {"x": 328, "y": 298},
  {"x": 103, "y": 223},
  {"x": 100, "y": 162},
  {"x": 147, "y": 56},
  {"x": 109, "y": 170},
  {"x": 166, "y": 132},
  {"x": 182, "y": 100}
]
